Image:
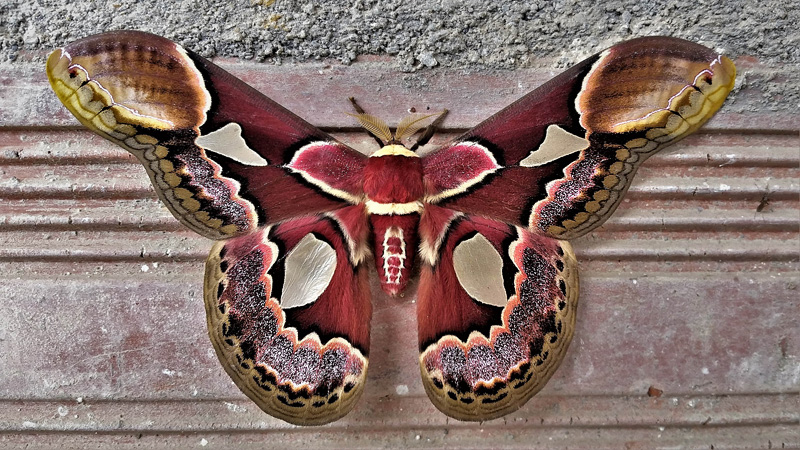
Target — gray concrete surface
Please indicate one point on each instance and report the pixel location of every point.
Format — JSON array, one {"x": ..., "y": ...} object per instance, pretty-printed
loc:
[{"x": 416, "y": 34}]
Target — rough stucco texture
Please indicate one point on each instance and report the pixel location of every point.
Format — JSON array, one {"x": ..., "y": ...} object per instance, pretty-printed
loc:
[
  {"x": 480, "y": 33},
  {"x": 418, "y": 34}
]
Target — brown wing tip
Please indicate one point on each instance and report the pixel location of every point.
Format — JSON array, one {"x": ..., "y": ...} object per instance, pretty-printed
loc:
[
  {"x": 726, "y": 69},
  {"x": 54, "y": 63},
  {"x": 662, "y": 88}
]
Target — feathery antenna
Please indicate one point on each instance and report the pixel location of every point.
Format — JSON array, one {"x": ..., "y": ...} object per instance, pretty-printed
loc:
[{"x": 407, "y": 127}]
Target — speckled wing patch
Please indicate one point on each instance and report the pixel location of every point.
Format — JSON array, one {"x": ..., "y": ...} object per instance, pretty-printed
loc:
[
  {"x": 484, "y": 357},
  {"x": 300, "y": 357}
]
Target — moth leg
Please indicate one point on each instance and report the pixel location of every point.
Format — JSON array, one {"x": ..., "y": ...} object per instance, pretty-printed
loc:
[{"x": 429, "y": 131}]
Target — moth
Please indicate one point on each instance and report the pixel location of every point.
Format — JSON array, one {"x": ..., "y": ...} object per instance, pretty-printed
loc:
[{"x": 298, "y": 216}]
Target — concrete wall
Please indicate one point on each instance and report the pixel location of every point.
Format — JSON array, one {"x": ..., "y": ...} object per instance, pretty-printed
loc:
[
  {"x": 413, "y": 35},
  {"x": 474, "y": 33}
]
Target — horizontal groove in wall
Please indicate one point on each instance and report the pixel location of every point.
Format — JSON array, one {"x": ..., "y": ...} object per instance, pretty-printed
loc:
[
  {"x": 703, "y": 148},
  {"x": 219, "y": 415},
  {"x": 308, "y": 90},
  {"x": 121, "y": 246},
  {"x": 153, "y": 217}
]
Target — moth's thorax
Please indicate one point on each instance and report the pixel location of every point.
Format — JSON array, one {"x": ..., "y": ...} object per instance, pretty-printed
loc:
[{"x": 393, "y": 181}]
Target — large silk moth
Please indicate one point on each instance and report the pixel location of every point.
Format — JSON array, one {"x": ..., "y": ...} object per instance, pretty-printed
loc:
[{"x": 298, "y": 216}]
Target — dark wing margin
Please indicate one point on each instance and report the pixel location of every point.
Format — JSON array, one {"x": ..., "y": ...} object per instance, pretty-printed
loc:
[
  {"x": 560, "y": 159},
  {"x": 223, "y": 158},
  {"x": 496, "y": 312},
  {"x": 288, "y": 311}
]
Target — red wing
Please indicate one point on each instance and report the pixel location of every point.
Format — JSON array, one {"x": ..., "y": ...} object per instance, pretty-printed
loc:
[
  {"x": 560, "y": 159},
  {"x": 288, "y": 313},
  {"x": 223, "y": 157},
  {"x": 496, "y": 312}
]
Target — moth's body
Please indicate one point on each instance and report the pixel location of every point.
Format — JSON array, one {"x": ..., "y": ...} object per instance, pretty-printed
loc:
[
  {"x": 394, "y": 190},
  {"x": 486, "y": 217}
]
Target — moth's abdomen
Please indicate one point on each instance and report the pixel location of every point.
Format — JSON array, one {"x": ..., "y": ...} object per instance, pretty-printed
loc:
[{"x": 395, "y": 249}]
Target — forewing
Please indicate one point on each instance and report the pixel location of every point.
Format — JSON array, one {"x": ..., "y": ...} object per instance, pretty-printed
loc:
[
  {"x": 560, "y": 159},
  {"x": 288, "y": 311},
  {"x": 224, "y": 158},
  {"x": 496, "y": 312}
]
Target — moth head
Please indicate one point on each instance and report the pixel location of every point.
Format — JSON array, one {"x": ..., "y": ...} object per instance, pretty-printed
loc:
[{"x": 393, "y": 150}]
